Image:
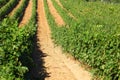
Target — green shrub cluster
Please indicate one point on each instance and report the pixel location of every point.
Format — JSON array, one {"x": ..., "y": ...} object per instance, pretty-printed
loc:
[
  {"x": 16, "y": 46},
  {"x": 94, "y": 39},
  {"x": 97, "y": 46},
  {"x": 7, "y": 8},
  {"x": 12, "y": 45}
]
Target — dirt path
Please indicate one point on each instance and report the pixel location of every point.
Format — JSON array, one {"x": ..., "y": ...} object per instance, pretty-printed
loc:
[
  {"x": 57, "y": 64},
  {"x": 53, "y": 11},
  {"x": 27, "y": 14},
  {"x": 70, "y": 14},
  {"x": 12, "y": 12}
]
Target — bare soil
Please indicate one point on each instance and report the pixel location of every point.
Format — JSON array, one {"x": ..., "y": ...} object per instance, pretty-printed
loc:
[
  {"x": 58, "y": 66},
  {"x": 27, "y": 14},
  {"x": 55, "y": 14}
]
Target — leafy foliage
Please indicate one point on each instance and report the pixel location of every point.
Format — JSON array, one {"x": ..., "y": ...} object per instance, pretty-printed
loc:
[
  {"x": 108, "y": 1},
  {"x": 10, "y": 49},
  {"x": 94, "y": 39},
  {"x": 16, "y": 46}
]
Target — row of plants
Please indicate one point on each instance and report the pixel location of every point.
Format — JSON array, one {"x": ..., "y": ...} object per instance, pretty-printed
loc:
[
  {"x": 20, "y": 11},
  {"x": 94, "y": 39},
  {"x": 16, "y": 46},
  {"x": 7, "y": 8},
  {"x": 3, "y": 2},
  {"x": 107, "y": 1},
  {"x": 80, "y": 8},
  {"x": 63, "y": 13}
]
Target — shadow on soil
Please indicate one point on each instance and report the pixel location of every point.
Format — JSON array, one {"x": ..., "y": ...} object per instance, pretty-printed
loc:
[{"x": 38, "y": 72}]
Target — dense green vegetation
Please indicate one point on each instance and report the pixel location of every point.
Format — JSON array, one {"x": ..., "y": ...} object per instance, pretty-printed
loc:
[
  {"x": 94, "y": 39},
  {"x": 107, "y": 1},
  {"x": 16, "y": 46}
]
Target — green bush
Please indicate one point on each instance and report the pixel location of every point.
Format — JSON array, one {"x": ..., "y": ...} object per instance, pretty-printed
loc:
[
  {"x": 10, "y": 50},
  {"x": 16, "y": 47}
]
